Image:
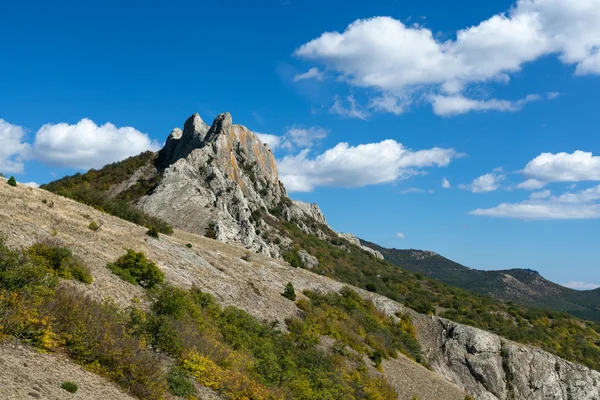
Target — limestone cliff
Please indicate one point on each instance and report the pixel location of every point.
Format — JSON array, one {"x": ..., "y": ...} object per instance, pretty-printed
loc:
[{"x": 220, "y": 181}]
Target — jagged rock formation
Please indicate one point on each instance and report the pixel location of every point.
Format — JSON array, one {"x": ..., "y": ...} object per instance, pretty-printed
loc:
[
  {"x": 354, "y": 240},
  {"x": 220, "y": 180},
  {"x": 494, "y": 368}
]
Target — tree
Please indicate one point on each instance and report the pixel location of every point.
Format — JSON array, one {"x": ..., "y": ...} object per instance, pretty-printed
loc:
[
  {"x": 12, "y": 181},
  {"x": 289, "y": 292}
]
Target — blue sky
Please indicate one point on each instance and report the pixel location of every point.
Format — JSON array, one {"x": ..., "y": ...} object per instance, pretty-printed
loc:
[{"x": 467, "y": 128}]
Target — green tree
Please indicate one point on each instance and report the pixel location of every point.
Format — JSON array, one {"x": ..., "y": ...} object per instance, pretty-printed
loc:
[
  {"x": 289, "y": 292},
  {"x": 12, "y": 181}
]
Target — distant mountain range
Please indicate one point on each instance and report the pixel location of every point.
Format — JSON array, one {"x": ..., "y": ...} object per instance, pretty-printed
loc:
[{"x": 522, "y": 286}]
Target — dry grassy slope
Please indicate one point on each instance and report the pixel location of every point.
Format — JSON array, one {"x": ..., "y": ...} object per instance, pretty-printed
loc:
[
  {"x": 215, "y": 267},
  {"x": 28, "y": 374}
]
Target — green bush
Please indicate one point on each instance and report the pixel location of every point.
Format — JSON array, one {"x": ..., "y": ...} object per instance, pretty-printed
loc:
[
  {"x": 293, "y": 257},
  {"x": 94, "y": 226},
  {"x": 211, "y": 231},
  {"x": 12, "y": 181},
  {"x": 137, "y": 269},
  {"x": 70, "y": 387},
  {"x": 61, "y": 260},
  {"x": 189, "y": 245},
  {"x": 152, "y": 232},
  {"x": 289, "y": 292},
  {"x": 180, "y": 383}
]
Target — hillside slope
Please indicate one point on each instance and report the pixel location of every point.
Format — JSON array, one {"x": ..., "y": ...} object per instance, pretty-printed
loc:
[
  {"x": 522, "y": 286},
  {"x": 475, "y": 361}
]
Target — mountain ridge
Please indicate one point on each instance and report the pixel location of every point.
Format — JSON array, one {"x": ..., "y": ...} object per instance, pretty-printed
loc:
[{"x": 520, "y": 285}]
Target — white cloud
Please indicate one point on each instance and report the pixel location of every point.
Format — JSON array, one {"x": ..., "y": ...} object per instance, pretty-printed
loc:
[
  {"x": 577, "y": 285},
  {"x": 544, "y": 194},
  {"x": 446, "y": 184},
  {"x": 303, "y": 137},
  {"x": 400, "y": 235},
  {"x": 356, "y": 166},
  {"x": 86, "y": 145},
  {"x": 531, "y": 184},
  {"x": 564, "y": 167},
  {"x": 570, "y": 205},
  {"x": 12, "y": 147},
  {"x": 31, "y": 184},
  {"x": 313, "y": 73},
  {"x": 384, "y": 54},
  {"x": 458, "y": 104},
  {"x": 389, "y": 103},
  {"x": 273, "y": 141},
  {"x": 486, "y": 183},
  {"x": 416, "y": 190},
  {"x": 352, "y": 111},
  {"x": 540, "y": 211}
]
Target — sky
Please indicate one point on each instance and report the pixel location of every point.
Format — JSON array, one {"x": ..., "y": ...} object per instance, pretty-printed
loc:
[{"x": 467, "y": 128}]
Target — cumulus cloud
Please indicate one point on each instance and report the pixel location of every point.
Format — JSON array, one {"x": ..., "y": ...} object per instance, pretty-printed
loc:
[
  {"x": 389, "y": 103},
  {"x": 571, "y": 205},
  {"x": 86, "y": 145},
  {"x": 352, "y": 110},
  {"x": 31, "y": 184},
  {"x": 383, "y": 53},
  {"x": 564, "y": 167},
  {"x": 577, "y": 285},
  {"x": 297, "y": 136},
  {"x": 273, "y": 141},
  {"x": 400, "y": 235},
  {"x": 446, "y": 184},
  {"x": 12, "y": 147},
  {"x": 544, "y": 194},
  {"x": 531, "y": 184},
  {"x": 313, "y": 73},
  {"x": 356, "y": 166},
  {"x": 458, "y": 104},
  {"x": 486, "y": 183}
]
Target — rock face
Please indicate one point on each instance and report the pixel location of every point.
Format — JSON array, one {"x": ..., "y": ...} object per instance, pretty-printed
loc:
[
  {"x": 220, "y": 181},
  {"x": 354, "y": 240},
  {"x": 493, "y": 368}
]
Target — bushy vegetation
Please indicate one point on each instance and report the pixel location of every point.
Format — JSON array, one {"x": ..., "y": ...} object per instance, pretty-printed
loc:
[
  {"x": 95, "y": 334},
  {"x": 289, "y": 292},
  {"x": 559, "y": 333},
  {"x": 61, "y": 261},
  {"x": 357, "y": 323},
  {"x": 91, "y": 189},
  {"x": 152, "y": 232},
  {"x": 135, "y": 268},
  {"x": 70, "y": 387},
  {"x": 232, "y": 353},
  {"x": 12, "y": 181}
]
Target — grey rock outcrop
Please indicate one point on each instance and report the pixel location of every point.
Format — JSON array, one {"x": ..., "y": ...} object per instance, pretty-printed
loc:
[
  {"x": 494, "y": 368},
  {"x": 222, "y": 180},
  {"x": 309, "y": 261},
  {"x": 356, "y": 241}
]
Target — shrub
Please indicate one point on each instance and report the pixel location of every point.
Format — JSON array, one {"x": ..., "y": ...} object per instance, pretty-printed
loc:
[
  {"x": 371, "y": 287},
  {"x": 289, "y": 292},
  {"x": 211, "y": 231},
  {"x": 152, "y": 232},
  {"x": 137, "y": 269},
  {"x": 189, "y": 245},
  {"x": 70, "y": 387},
  {"x": 94, "y": 226},
  {"x": 246, "y": 257},
  {"x": 12, "y": 181},
  {"x": 180, "y": 383},
  {"x": 61, "y": 260},
  {"x": 293, "y": 257}
]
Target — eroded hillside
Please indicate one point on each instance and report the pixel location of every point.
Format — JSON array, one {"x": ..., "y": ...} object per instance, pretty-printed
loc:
[{"x": 463, "y": 359}]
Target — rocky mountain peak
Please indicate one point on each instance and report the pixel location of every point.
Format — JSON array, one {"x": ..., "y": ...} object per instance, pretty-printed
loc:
[{"x": 220, "y": 181}]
